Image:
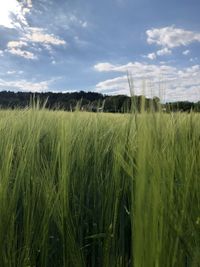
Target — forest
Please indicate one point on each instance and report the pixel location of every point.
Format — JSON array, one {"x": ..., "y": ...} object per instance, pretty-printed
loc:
[{"x": 92, "y": 101}]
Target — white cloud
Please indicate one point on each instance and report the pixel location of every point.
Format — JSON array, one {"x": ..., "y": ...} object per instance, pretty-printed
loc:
[
  {"x": 24, "y": 85},
  {"x": 114, "y": 86},
  {"x": 38, "y": 35},
  {"x": 22, "y": 53},
  {"x": 12, "y": 13},
  {"x": 176, "y": 83},
  {"x": 171, "y": 37},
  {"x": 17, "y": 48},
  {"x": 104, "y": 67},
  {"x": 32, "y": 37},
  {"x": 151, "y": 56},
  {"x": 136, "y": 67},
  {"x": 16, "y": 44},
  {"x": 131, "y": 66},
  {"x": 186, "y": 52},
  {"x": 164, "y": 51},
  {"x": 11, "y": 72}
]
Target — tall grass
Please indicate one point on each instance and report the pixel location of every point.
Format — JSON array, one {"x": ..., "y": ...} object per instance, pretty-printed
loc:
[{"x": 82, "y": 189}]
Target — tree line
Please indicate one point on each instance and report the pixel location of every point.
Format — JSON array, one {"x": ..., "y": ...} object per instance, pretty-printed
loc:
[{"x": 92, "y": 101}]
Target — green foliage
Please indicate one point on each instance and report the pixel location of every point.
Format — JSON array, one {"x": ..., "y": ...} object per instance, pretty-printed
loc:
[
  {"x": 91, "y": 101},
  {"x": 93, "y": 189}
]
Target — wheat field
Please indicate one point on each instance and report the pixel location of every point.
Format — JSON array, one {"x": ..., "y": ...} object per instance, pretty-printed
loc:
[{"x": 99, "y": 190}]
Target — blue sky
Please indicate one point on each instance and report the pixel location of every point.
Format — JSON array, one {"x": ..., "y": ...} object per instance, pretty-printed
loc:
[{"x": 58, "y": 45}]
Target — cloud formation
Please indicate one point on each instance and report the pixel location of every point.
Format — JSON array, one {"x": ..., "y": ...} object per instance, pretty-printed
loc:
[
  {"x": 171, "y": 37},
  {"x": 139, "y": 69},
  {"x": 162, "y": 52},
  {"x": 38, "y": 35},
  {"x": 13, "y": 13},
  {"x": 12, "y": 72},
  {"x": 186, "y": 52},
  {"x": 17, "y": 48},
  {"x": 24, "y": 85},
  {"x": 151, "y": 56},
  {"x": 31, "y": 37},
  {"x": 177, "y": 84},
  {"x": 22, "y": 53}
]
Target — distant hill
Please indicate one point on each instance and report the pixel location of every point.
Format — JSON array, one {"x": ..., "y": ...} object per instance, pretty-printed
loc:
[{"x": 91, "y": 101}]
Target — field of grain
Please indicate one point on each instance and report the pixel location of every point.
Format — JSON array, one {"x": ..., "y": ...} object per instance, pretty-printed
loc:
[{"x": 99, "y": 190}]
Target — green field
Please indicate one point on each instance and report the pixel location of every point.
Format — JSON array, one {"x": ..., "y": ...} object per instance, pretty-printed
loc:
[{"x": 99, "y": 190}]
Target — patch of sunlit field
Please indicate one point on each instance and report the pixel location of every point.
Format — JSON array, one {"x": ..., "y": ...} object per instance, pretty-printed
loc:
[{"x": 99, "y": 190}]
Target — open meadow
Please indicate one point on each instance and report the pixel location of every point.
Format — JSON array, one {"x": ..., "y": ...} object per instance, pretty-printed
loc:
[{"x": 81, "y": 189}]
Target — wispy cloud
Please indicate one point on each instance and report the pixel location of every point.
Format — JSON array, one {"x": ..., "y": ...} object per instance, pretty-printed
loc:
[
  {"x": 186, "y": 52},
  {"x": 73, "y": 19},
  {"x": 164, "y": 51},
  {"x": 18, "y": 44},
  {"x": 22, "y": 53},
  {"x": 116, "y": 85},
  {"x": 14, "y": 72},
  {"x": 31, "y": 37},
  {"x": 38, "y": 35},
  {"x": 70, "y": 21},
  {"x": 13, "y": 15},
  {"x": 24, "y": 85},
  {"x": 17, "y": 48},
  {"x": 194, "y": 59},
  {"x": 138, "y": 68}
]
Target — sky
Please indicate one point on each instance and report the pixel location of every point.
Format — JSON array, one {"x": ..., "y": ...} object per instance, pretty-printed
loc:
[{"x": 73, "y": 45}]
